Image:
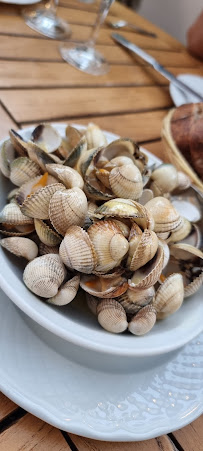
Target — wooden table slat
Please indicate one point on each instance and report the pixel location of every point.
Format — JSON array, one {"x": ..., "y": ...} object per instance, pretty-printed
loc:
[
  {"x": 190, "y": 437},
  {"x": 17, "y": 47},
  {"x": 43, "y": 74},
  {"x": 15, "y": 25},
  {"x": 31, "y": 105},
  {"x": 6, "y": 406},
  {"x": 34, "y": 434},
  {"x": 6, "y": 123},
  {"x": 161, "y": 443}
]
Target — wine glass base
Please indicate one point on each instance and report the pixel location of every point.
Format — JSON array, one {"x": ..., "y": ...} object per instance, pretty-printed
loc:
[
  {"x": 46, "y": 23},
  {"x": 84, "y": 58}
]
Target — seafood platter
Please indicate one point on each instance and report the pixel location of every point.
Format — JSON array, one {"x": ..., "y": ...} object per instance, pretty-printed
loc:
[{"x": 97, "y": 219}]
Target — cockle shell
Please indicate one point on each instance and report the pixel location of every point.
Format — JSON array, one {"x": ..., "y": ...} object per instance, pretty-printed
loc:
[
  {"x": 181, "y": 232},
  {"x": 143, "y": 321},
  {"x": 109, "y": 244},
  {"x": 76, "y": 250},
  {"x": 126, "y": 208},
  {"x": 34, "y": 185},
  {"x": 193, "y": 286},
  {"x": 124, "y": 228},
  {"x": 165, "y": 215},
  {"x": 126, "y": 182},
  {"x": 22, "y": 247},
  {"x": 169, "y": 296},
  {"x": 184, "y": 251},
  {"x": 66, "y": 293},
  {"x": 144, "y": 251},
  {"x": 112, "y": 316},
  {"x": 66, "y": 175},
  {"x": 40, "y": 156},
  {"x": 67, "y": 208},
  {"x": 148, "y": 275},
  {"x": 95, "y": 136},
  {"x": 46, "y": 137},
  {"x": 103, "y": 175},
  {"x": 133, "y": 300},
  {"x": 7, "y": 155},
  {"x": 16, "y": 230},
  {"x": 46, "y": 234},
  {"x": 73, "y": 136},
  {"x": 37, "y": 205},
  {"x": 104, "y": 287},
  {"x": 12, "y": 194},
  {"x": 76, "y": 152},
  {"x": 12, "y": 214},
  {"x": 119, "y": 161},
  {"x": 164, "y": 179},
  {"x": 184, "y": 182},
  {"x": 166, "y": 250},
  {"x": 44, "y": 275},
  {"x": 23, "y": 169},
  {"x": 18, "y": 143}
]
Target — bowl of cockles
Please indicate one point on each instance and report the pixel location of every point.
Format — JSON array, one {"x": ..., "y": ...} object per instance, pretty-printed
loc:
[{"x": 100, "y": 240}]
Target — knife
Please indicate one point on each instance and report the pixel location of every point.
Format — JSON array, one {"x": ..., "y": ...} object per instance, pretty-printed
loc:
[{"x": 158, "y": 67}]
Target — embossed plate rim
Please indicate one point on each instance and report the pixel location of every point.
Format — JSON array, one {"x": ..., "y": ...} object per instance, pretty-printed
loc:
[{"x": 19, "y": 348}]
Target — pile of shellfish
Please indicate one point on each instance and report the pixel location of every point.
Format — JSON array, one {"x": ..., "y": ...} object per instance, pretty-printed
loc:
[{"x": 95, "y": 216}]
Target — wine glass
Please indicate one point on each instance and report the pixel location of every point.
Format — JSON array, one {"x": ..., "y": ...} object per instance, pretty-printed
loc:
[
  {"x": 44, "y": 20},
  {"x": 84, "y": 56}
]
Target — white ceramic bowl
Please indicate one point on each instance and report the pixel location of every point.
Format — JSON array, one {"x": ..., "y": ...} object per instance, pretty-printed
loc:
[{"x": 76, "y": 324}]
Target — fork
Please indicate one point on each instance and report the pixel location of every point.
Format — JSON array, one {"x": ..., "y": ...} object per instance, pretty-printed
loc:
[{"x": 124, "y": 23}]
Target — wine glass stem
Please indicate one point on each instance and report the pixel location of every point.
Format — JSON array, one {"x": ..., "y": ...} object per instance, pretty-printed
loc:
[
  {"x": 52, "y": 5},
  {"x": 101, "y": 16}
]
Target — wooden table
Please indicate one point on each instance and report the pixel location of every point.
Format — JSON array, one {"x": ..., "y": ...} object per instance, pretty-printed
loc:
[{"x": 131, "y": 100}]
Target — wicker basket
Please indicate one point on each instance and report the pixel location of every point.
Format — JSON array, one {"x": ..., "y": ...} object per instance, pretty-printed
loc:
[{"x": 174, "y": 155}]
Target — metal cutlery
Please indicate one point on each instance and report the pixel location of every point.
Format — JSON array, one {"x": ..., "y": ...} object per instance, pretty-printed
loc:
[
  {"x": 158, "y": 67},
  {"x": 123, "y": 23}
]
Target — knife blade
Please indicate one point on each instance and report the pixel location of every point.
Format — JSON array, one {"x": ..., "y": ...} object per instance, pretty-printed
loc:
[{"x": 155, "y": 64}]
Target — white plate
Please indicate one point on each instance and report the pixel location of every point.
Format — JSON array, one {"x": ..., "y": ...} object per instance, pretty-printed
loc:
[
  {"x": 20, "y": 2},
  {"x": 76, "y": 324},
  {"x": 152, "y": 397},
  {"x": 193, "y": 81}
]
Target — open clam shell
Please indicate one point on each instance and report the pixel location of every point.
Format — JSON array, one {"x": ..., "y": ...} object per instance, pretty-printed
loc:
[
  {"x": 76, "y": 152},
  {"x": 144, "y": 251},
  {"x": 143, "y": 321},
  {"x": 76, "y": 250},
  {"x": 21, "y": 247},
  {"x": 7, "y": 155},
  {"x": 37, "y": 204},
  {"x": 66, "y": 175},
  {"x": 181, "y": 232},
  {"x": 46, "y": 137},
  {"x": 66, "y": 293},
  {"x": 95, "y": 136},
  {"x": 18, "y": 143},
  {"x": 169, "y": 296},
  {"x": 67, "y": 208},
  {"x": 104, "y": 287},
  {"x": 46, "y": 235},
  {"x": 112, "y": 316},
  {"x": 40, "y": 156},
  {"x": 148, "y": 275},
  {"x": 23, "y": 169},
  {"x": 125, "y": 208},
  {"x": 44, "y": 275},
  {"x": 12, "y": 214},
  {"x": 133, "y": 300}
]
